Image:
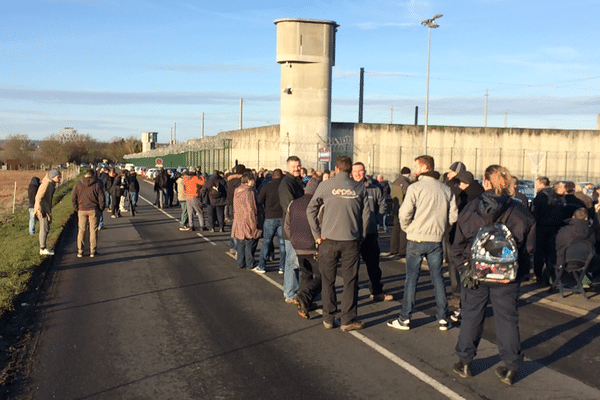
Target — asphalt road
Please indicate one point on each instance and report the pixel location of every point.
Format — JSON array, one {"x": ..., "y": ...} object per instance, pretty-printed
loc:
[{"x": 164, "y": 314}]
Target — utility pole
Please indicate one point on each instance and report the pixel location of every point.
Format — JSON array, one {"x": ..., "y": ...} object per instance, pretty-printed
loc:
[
  {"x": 361, "y": 95},
  {"x": 175, "y": 133},
  {"x": 202, "y": 127}
]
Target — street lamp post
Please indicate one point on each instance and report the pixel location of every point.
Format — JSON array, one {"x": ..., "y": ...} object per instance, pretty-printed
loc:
[{"x": 429, "y": 23}]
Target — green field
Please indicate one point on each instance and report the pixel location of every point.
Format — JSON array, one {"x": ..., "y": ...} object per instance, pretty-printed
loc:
[{"x": 19, "y": 251}]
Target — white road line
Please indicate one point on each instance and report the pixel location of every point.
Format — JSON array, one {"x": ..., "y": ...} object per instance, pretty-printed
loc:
[
  {"x": 446, "y": 391},
  {"x": 175, "y": 219}
]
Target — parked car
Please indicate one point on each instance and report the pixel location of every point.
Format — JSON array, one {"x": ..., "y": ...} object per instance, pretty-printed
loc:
[
  {"x": 527, "y": 191},
  {"x": 151, "y": 173}
]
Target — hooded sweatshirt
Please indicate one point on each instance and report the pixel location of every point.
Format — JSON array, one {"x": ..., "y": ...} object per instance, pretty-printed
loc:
[
  {"x": 43, "y": 197},
  {"x": 88, "y": 194},
  {"x": 32, "y": 190},
  {"x": 487, "y": 209}
]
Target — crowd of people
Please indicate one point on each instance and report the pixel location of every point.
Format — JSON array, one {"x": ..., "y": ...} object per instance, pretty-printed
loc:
[{"x": 327, "y": 222}]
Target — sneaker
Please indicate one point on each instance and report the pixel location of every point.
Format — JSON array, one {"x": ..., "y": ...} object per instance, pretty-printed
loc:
[
  {"x": 399, "y": 324},
  {"x": 113, "y": 216},
  {"x": 101, "y": 227},
  {"x": 232, "y": 254},
  {"x": 259, "y": 270},
  {"x": 352, "y": 326},
  {"x": 463, "y": 370},
  {"x": 184, "y": 229},
  {"x": 211, "y": 230},
  {"x": 388, "y": 254},
  {"x": 79, "y": 254},
  {"x": 222, "y": 230},
  {"x": 444, "y": 325},
  {"x": 280, "y": 272},
  {"x": 455, "y": 317},
  {"x": 92, "y": 255},
  {"x": 330, "y": 325},
  {"x": 381, "y": 297},
  {"x": 291, "y": 301},
  {"x": 46, "y": 252},
  {"x": 506, "y": 375}
]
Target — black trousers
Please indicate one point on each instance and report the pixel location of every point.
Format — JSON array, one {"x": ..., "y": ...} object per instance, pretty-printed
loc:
[
  {"x": 506, "y": 320},
  {"x": 330, "y": 253},
  {"x": 545, "y": 249},
  {"x": 398, "y": 239},
  {"x": 310, "y": 279},
  {"x": 220, "y": 213},
  {"x": 369, "y": 251}
]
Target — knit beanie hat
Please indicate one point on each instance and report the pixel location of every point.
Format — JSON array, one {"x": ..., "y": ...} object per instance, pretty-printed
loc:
[
  {"x": 405, "y": 170},
  {"x": 458, "y": 167},
  {"x": 53, "y": 173}
]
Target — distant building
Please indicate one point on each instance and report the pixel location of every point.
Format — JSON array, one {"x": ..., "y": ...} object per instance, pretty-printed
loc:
[
  {"x": 149, "y": 140},
  {"x": 68, "y": 135}
]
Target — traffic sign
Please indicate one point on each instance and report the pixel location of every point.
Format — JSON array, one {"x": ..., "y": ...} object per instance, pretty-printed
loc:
[{"x": 325, "y": 154}]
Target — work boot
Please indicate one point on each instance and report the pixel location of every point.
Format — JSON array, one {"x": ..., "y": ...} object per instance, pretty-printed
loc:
[
  {"x": 463, "y": 370},
  {"x": 506, "y": 375}
]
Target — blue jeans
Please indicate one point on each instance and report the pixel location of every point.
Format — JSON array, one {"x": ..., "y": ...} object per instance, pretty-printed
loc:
[
  {"x": 100, "y": 219},
  {"x": 415, "y": 252},
  {"x": 107, "y": 201},
  {"x": 272, "y": 227},
  {"x": 245, "y": 252},
  {"x": 133, "y": 199},
  {"x": 31, "y": 222},
  {"x": 183, "y": 221},
  {"x": 290, "y": 273}
]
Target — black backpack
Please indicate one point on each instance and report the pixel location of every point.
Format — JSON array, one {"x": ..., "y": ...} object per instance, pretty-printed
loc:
[
  {"x": 218, "y": 191},
  {"x": 494, "y": 254}
]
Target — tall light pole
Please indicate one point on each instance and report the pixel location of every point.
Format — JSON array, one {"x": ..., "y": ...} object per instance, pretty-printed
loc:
[{"x": 429, "y": 23}]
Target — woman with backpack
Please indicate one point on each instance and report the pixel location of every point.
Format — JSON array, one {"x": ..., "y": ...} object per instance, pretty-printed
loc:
[{"x": 494, "y": 206}]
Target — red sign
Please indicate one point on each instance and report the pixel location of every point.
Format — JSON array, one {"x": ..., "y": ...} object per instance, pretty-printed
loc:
[
  {"x": 159, "y": 162},
  {"x": 325, "y": 154}
]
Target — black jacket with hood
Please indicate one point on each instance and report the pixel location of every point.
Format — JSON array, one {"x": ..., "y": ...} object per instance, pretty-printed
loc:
[
  {"x": 32, "y": 190},
  {"x": 487, "y": 209}
]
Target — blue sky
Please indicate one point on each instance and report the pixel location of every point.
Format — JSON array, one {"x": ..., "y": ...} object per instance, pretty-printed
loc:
[{"x": 118, "y": 68}]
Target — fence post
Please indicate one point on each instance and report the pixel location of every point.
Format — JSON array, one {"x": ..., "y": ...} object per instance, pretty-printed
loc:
[
  {"x": 14, "y": 197},
  {"x": 587, "y": 172}
]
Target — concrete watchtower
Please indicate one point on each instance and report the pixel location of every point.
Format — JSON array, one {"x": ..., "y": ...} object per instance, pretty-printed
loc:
[
  {"x": 149, "y": 140},
  {"x": 306, "y": 52}
]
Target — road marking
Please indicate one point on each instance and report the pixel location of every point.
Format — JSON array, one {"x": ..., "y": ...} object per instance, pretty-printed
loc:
[
  {"x": 176, "y": 219},
  {"x": 446, "y": 391}
]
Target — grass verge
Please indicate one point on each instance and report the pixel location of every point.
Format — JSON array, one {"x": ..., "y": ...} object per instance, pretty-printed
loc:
[{"x": 19, "y": 251}]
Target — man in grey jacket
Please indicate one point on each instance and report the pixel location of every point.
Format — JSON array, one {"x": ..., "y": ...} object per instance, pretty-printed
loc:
[
  {"x": 345, "y": 220},
  {"x": 429, "y": 208}
]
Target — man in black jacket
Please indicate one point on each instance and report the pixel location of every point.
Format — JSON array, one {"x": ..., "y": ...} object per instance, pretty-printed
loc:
[
  {"x": 290, "y": 188},
  {"x": 269, "y": 199},
  {"x": 397, "y": 191}
]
